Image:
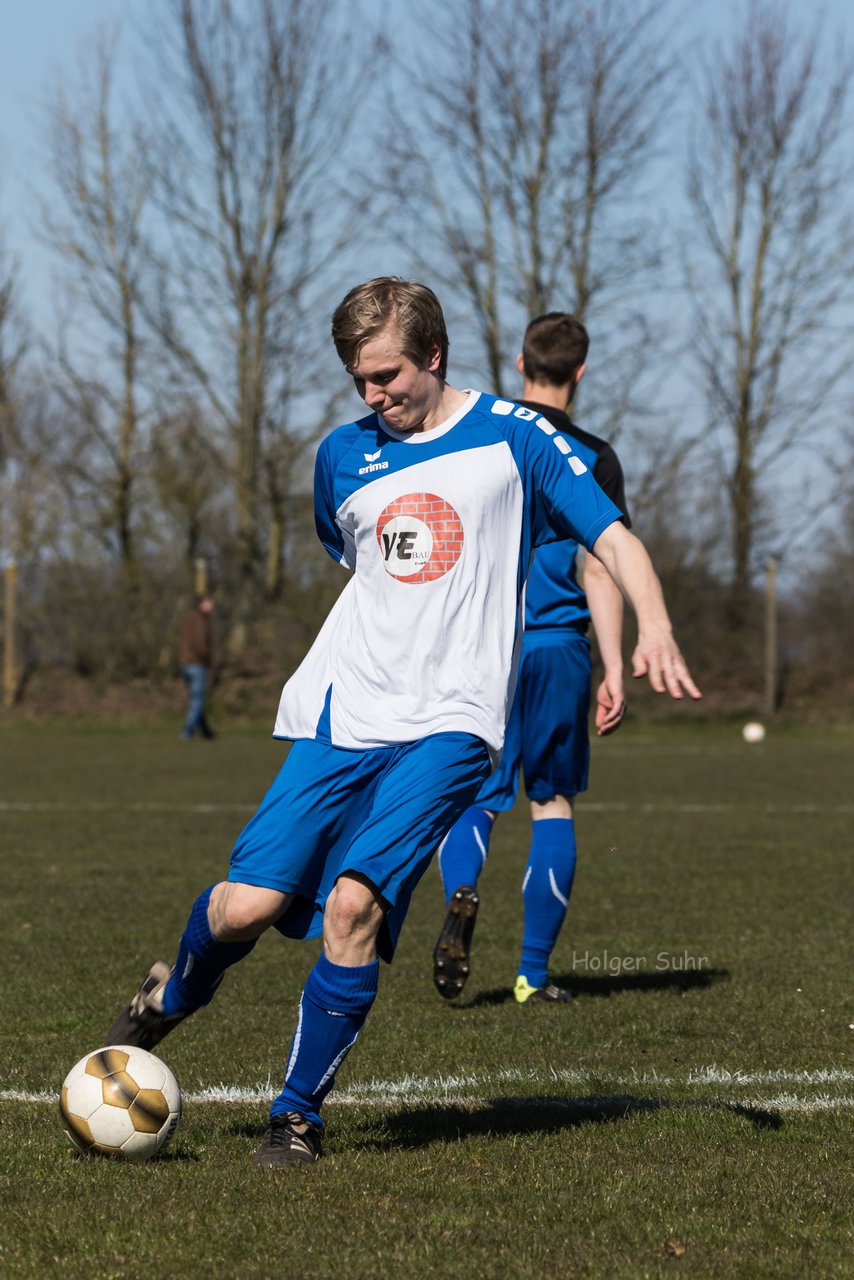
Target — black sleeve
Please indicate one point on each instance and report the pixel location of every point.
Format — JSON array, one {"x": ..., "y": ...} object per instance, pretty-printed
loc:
[{"x": 608, "y": 474}]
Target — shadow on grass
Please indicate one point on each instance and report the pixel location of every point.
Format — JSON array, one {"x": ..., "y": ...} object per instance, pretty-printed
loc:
[
  {"x": 409, "y": 1128},
  {"x": 502, "y": 1117},
  {"x": 172, "y": 1155},
  {"x": 178, "y": 1154},
  {"x": 611, "y": 984}
]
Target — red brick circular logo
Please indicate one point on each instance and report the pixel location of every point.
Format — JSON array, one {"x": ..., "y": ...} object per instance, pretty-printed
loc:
[{"x": 420, "y": 537}]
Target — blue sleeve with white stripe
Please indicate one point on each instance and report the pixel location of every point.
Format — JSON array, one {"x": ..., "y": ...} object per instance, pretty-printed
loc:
[{"x": 564, "y": 499}]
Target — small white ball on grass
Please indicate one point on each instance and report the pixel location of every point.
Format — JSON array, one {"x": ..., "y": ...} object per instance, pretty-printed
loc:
[{"x": 753, "y": 731}]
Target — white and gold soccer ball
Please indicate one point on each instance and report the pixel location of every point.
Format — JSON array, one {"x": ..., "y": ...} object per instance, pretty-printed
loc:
[
  {"x": 753, "y": 732},
  {"x": 121, "y": 1102}
]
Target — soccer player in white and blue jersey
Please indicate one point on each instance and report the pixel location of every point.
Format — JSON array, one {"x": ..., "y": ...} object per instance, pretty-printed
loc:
[
  {"x": 435, "y": 501},
  {"x": 547, "y": 734}
]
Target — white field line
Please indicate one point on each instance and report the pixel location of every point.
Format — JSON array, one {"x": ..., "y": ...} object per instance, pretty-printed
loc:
[
  {"x": 475, "y": 1089},
  {"x": 590, "y": 806},
  {"x": 602, "y": 806}
]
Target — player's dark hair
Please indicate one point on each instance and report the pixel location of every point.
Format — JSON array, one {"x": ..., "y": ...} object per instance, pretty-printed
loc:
[
  {"x": 554, "y": 348},
  {"x": 369, "y": 307}
]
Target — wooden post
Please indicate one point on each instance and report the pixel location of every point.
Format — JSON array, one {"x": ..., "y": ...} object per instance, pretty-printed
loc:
[
  {"x": 9, "y": 680},
  {"x": 771, "y": 655},
  {"x": 201, "y": 576}
]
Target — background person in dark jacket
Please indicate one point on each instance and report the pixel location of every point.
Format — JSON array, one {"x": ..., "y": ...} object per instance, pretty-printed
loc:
[{"x": 196, "y": 658}]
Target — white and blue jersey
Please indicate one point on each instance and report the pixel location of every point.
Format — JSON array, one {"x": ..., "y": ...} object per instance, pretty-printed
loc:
[{"x": 439, "y": 528}]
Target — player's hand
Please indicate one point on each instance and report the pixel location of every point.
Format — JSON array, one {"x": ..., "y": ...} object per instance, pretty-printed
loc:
[
  {"x": 658, "y": 658},
  {"x": 610, "y": 704}
]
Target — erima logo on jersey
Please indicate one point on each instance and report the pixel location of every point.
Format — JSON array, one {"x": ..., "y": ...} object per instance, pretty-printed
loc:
[
  {"x": 505, "y": 407},
  {"x": 373, "y": 465}
]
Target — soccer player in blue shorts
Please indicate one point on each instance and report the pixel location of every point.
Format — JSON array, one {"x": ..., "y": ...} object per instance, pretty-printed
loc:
[
  {"x": 547, "y": 734},
  {"x": 435, "y": 501}
]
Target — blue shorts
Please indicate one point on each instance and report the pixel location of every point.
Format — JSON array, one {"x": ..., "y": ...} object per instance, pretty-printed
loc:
[
  {"x": 547, "y": 734},
  {"x": 381, "y": 813}
]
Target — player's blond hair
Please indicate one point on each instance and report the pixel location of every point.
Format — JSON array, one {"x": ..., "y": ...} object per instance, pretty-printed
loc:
[{"x": 369, "y": 307}]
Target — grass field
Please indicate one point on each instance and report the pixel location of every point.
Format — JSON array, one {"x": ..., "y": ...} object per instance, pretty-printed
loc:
[{"x": 691, "y": 1112}]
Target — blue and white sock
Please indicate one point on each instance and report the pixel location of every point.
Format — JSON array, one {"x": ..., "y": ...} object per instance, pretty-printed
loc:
[
  {"x": 335, "y": 1002},
  {"x": 463, "y": 852},
  {"x": 202, "y": 960},
  {"x": 545, "y": 893}
]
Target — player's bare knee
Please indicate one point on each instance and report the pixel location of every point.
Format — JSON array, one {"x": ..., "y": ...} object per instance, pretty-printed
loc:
[
  {"x": 238, "y": 912},
  {"x": 557, "y": 807},
  {"x": 352, "y": 912}
]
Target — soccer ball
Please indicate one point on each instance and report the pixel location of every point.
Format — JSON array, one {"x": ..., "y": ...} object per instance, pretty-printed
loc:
[
  {"x": 753, "y": 731},
  {"x": 121, "y": 1102}
]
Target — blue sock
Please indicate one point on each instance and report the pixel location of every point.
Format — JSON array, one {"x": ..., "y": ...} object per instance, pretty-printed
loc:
[
  {"x": 335, "y": 1002},
  {"x": 545, "y": 892},
  {"x": 202, "y": 961},
  {"x": 462, "y": 854}
]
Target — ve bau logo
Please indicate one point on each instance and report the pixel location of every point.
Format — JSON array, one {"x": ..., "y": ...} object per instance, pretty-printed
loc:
[{"x": 420, "y": 537}]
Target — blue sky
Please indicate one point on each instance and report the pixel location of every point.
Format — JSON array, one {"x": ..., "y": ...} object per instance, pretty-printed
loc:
[{"x": 40, "y": 40}]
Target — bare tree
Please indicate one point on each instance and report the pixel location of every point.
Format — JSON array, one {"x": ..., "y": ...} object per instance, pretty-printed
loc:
[
  {"x": 13, "y": 349},
  {"x": 13, "y": 346},
  {"x": 545, "y": 124},
  {"x": 775, "y": 255},
  {"x": 95, "y": 226},
  {"x": 186, "y": 473},
  {"x": 255, "y": 104},
  {"x": 30, "y": 507}
]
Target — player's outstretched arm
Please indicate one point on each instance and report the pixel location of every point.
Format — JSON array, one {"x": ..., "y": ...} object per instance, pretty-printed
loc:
[
  {"x": 605, "y": 601},
  {"x": 656, "y": 654}
]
